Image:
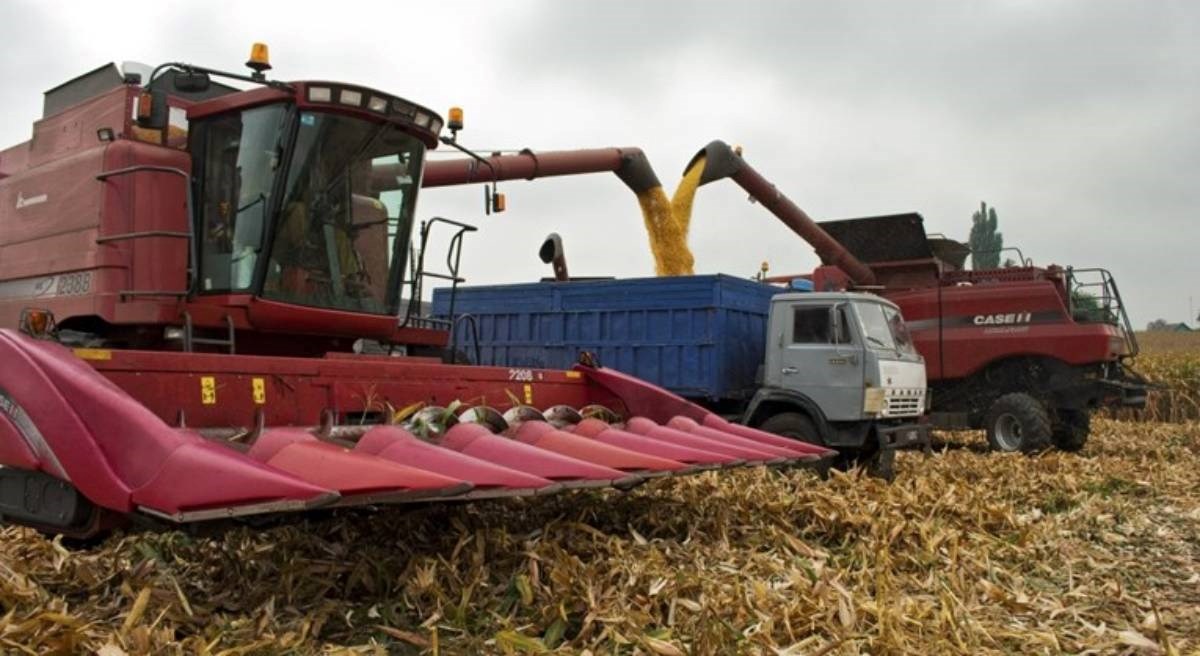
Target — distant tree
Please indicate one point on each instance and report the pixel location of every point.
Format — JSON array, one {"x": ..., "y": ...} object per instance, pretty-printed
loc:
[
  {"x": 1158, "y": 324},
  {"x": 985, "y": 241}
]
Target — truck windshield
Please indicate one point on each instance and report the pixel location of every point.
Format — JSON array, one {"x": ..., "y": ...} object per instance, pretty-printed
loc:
[
  {"x": 345, "y": 215},
  {"x": 883, "y": 328}
]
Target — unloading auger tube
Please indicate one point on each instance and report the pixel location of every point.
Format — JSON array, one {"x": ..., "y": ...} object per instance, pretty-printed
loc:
[
  {"x": 668, "y": 238},
  {"x": 721, "y": 161},
  {"x": 629, "y": 164},
  {"x": 80, "y": 454}
]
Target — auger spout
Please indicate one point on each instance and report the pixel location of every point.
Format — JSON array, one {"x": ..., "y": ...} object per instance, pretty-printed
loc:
[{"x": 720, "y": 161}]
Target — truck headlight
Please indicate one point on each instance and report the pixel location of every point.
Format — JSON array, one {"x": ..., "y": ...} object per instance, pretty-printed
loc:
[{"x": 873, "y": 399}]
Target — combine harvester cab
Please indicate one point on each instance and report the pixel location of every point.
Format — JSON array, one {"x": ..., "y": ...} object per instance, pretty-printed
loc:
[{"x": 194, "y": 350}]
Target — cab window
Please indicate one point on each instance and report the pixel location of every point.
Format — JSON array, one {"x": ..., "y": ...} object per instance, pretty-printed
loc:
[{"x": 816, "y": 325}]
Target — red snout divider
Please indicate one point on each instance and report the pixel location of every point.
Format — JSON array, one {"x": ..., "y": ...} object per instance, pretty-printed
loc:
[
  {"x": 794, "y": 447},
  {"x": 734, "y": 446},
  {"x": 476, "y": 440},
  {"x": 602, "y": 432},
  {"x": 545, "y": 436},
  {"x": 299, "y": 453},
  {"x": 398, "y": 445}
]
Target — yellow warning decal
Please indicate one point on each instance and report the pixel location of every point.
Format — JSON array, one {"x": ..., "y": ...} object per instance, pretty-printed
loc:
[
  {"x": 573, "y": 374},
  {"x": 93, "y": 354},
  {"x": 208, "y": 390},
  {"x": 528, "y": 394},
  {"x": 260, "y": 390}
]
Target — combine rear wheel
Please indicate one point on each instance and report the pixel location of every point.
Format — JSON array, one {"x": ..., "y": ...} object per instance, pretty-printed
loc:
[
  {"x": 1018, "y": 422},
  {"x": 1072, "y": 429}
]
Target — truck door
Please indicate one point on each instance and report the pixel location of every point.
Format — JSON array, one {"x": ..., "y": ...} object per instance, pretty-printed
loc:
[{"x": 820, "y": 356}]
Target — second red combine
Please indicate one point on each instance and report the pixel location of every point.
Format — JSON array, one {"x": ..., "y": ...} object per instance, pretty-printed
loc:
[{"x": 1026, "y": 353}]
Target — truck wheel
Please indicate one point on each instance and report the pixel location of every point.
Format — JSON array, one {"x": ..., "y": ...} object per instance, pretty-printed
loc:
[
  {"x": 1018, "y": 422},
  {"x": 794, "y": 425},
  {"x": 1072, "y": 429},
  {"x": 798, "y": 426},
  {"x": 881, "y": 464}
]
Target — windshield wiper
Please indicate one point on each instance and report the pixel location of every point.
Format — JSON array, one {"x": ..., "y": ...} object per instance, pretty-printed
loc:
[{"x": 876, "y": 340}]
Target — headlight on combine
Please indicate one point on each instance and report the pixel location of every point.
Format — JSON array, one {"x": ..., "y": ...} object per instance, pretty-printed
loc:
[{"x": 1116, "y": 346}]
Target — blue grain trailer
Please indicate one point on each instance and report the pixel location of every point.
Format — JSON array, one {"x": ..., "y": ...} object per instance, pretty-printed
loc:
[{"x": 701, "y": 337}]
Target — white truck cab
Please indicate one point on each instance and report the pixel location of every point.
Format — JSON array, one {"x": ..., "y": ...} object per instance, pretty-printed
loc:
[{"x": 841, "y": 370}]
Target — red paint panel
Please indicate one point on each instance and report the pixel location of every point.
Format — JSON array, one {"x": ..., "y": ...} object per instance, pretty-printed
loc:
[
  {"x": 733, "y": 446},
  {"x": 602, "y": 432},
  {"x": 14, "y": 451},
  {"x": 959, "y": 348},
  {"x": 475, "y": 440},
  {"x": 118, "y": 454},
  {"x": 200, "y": 475},
  {"x": 545, "y": 436},
  {"x": 716, "y": 427},
  {"x": 398, "y": 445},
  {"x": 641, "y": 398},
  {"x": 337, "y": 468}
]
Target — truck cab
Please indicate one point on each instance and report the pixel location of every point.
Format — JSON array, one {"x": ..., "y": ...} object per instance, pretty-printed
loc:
[{"x": 840, "y": 370}]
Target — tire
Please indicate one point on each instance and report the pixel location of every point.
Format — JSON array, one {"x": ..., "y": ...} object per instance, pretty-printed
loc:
[
  {"x": 881, "y": 464},
  {"x": 793, "y": 425},
  {"x": 1072, "y": 429},
  {"x": 798, "y": 426},
  {"x": 1018, "y": 422}
]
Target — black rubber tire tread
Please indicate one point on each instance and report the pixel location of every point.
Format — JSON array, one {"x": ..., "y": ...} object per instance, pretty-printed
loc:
[
  {"x": 794, "y": 425},
  {"x": 1036, "y": 429},
  {"x": 1072, "y": 429},
  {"x": 882, "y": 464}
]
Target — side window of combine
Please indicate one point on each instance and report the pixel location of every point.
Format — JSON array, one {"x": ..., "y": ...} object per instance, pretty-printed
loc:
[{"x": 177, "y": 128}]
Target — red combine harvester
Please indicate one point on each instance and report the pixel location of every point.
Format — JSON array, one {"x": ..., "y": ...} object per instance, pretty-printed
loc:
[
  {"x": 1027, "y": 353},
  {"x": 192, "y": 269}
]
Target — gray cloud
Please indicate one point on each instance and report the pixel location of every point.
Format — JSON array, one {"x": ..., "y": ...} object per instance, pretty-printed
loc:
[{"x": 1075, "y": 119}]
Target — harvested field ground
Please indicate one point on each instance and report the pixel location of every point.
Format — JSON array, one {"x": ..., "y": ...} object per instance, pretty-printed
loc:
[{"x": 965, "y": 553}]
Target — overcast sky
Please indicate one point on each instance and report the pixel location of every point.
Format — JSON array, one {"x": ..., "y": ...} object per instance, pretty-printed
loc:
[{"x": 1078, "y": 121}]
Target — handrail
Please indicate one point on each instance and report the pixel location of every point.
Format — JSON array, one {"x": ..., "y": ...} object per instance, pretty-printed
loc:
[
  {"x": 193, "y": 255},
  {"x": 139, "y": 235},
  {"x": 1025, "y": 261},
  {"x": 1110, "y": 297},
  {"x": 453, "y": 260}
]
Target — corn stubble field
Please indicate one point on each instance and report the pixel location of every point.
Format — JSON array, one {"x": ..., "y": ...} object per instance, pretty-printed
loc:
[{"x": 966, "y": 552}]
